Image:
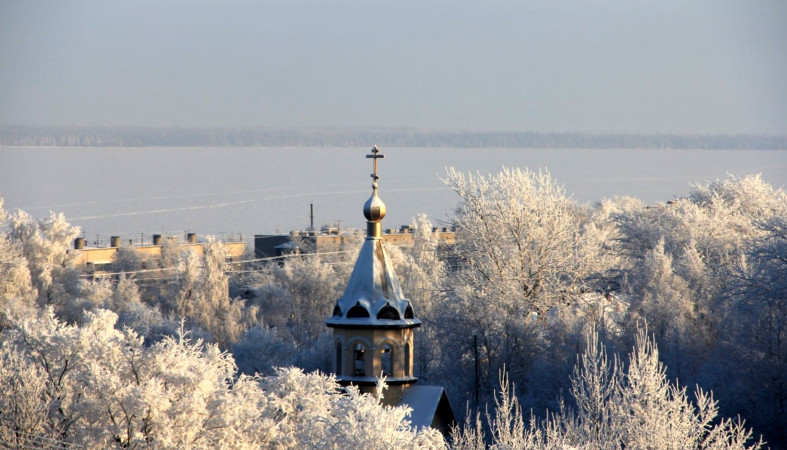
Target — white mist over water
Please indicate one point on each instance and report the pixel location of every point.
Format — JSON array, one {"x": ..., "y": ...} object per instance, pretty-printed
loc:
[{"x": 129, "y": 191}]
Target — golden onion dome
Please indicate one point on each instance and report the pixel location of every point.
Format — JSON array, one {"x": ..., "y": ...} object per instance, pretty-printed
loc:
[{"x": 374, "y": 208}]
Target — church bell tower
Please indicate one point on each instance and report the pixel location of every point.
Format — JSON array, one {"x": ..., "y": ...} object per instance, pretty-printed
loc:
[{"x": 372, "y": 322}]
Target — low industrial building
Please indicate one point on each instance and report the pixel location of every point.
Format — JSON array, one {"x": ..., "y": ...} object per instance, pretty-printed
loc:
[
  {"x": 330, "y": 239},
  {"x": 99, "y": 258}
]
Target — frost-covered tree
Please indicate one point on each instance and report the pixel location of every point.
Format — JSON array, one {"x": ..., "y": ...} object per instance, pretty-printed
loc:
[
  {"x": 102, "y": 388},
  {"x": 662, "y": 299},
  {"x": 318, "y": 417},
  {"x": 261, "y": 350},
  {"x": 145, "y": 319},
  {"x": 201, "y": 295},
  {"x": 423, "y": 273},
  {"x": 716, "y": 222},
  {"x": 295, "y": 296},
  {"x": 94, "y": 386},
  {"x": 520, "y": 239},
  {"x": 754, "y": 336},
  {"x": 17, "y": 295},
  {"x": 306, "y": 288},
  {"x": 424, "y": 270},
  {"x": 45, "y": 245},
  {"x": 523, "y": 252},
  {"x": 128, "y": 259},
  {"x": 704, "y": 271},
  {"x": 616, "y": 407},
  {"x": 23, "y": 411}
]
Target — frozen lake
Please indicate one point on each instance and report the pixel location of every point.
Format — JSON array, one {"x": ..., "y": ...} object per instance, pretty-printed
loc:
[{"x": 128, "y": 191}]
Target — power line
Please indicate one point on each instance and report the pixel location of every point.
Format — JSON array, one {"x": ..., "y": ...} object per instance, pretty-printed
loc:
[{"x": 245, "y": 261}]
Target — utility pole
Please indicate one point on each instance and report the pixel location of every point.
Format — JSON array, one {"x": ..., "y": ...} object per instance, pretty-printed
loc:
[
  {"x": 475, "y": 380},
  {"x": 311, "y": 216}
]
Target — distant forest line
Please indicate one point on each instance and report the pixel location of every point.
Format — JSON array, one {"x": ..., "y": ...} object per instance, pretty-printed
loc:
[{"x": 42, "y": 136}]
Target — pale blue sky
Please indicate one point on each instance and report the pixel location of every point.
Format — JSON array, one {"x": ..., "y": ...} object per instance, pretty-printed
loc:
[{"x": 663, "y": 66}]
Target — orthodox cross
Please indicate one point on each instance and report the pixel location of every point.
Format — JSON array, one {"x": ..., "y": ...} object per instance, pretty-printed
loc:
[{"x": 375, "y": 155}]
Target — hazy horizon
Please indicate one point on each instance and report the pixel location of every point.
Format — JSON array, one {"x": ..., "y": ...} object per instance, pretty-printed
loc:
[{"x": 610, "y": 66}]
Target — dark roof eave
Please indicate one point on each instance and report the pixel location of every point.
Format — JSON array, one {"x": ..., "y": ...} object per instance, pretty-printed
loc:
[
  {"x": 380, "y": 326},
  {"x": 348, "y": 380}
]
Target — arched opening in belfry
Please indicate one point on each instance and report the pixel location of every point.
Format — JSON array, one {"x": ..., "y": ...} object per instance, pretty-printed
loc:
[
  {"x": 359, "y": 360},
  {"x": 388, "y": 312},
  {"x": 357, "y": 312},
  {"x": 386, "y": 360},
  {"x": 338, "y": 358},
  {"x": 407, "y": 359}
]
